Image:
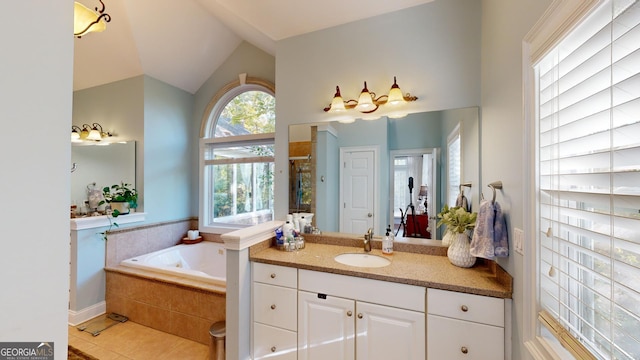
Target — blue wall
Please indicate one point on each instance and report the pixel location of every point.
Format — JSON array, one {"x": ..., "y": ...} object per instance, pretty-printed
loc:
[{"x": 168, "y": 172}]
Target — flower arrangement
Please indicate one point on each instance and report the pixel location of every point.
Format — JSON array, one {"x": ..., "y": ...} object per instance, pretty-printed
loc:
[{"x": 457, "y": 219}]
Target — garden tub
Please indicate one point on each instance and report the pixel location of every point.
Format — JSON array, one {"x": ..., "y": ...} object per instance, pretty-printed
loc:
[{"x": 204, "y": 261}]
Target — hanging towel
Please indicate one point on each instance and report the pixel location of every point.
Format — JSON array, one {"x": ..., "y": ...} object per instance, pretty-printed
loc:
[
  {"x": 500, "y": 234},
  {"x": 490, "y": 233},
  {"x": 462, "y": 202}
]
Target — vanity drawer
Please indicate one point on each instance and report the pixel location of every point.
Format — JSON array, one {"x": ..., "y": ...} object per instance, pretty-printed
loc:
[
  {"x": 274, "y": 343},
  {"x": 454, "y": 339},
  {"x": 476, "y": 308},
  {"x": 275, "y": 275},
  {"x": 275, "y": 305}
]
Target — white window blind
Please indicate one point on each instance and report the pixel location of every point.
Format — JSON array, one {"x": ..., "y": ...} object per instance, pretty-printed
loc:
[
  {"x": 454, "y": 164},
  {"x": 588, "y": 125}
]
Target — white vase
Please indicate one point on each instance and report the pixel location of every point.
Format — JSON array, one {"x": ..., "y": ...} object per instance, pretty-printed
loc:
[
  {"x": 458, "y": 251},
  {"x": 447, "y": 238},
  {"x": 122, "y": 207}
]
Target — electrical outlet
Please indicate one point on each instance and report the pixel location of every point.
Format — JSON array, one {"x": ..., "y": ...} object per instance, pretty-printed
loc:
[{"x": 518, "y": 240}]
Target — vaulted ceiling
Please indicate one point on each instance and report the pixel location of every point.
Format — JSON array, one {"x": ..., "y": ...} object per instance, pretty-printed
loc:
[{"x": 182, "y": 42}]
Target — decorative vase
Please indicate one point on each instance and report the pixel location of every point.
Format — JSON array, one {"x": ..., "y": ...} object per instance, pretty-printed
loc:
[
  {"x": 122, "y": 207},
  {"x": 447, "y": 238},
  {"x": 458, "y": 251}
]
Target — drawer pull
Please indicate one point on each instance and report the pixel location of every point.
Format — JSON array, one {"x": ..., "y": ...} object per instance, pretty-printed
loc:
[
  {"x": 273, "y": 275},
  {"x": 359, "y": 315},
  {"x": 273, "y": 306},
  {"x": 349, "y": 313},
  {"x": 273, "y": 349},
  {"x": 464, "y": 350},
  {"x": 464, "y": 308}
]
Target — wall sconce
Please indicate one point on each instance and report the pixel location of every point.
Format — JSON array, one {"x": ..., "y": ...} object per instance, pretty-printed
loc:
[
  {"x": 86, "y": 20},
  {"x": 91, "y": 132},
  {"x": 368, "y": 102}
]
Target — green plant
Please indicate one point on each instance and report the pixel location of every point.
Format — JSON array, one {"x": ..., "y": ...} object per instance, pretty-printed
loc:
[
  {"x": 122, "y": 192},
  {"x": 457, "y": 219},
  {"x": 111, "y": 224}
]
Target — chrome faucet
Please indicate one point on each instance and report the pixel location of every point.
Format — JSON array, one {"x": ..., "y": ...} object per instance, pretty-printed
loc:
[{"x": 367, "y": 240}]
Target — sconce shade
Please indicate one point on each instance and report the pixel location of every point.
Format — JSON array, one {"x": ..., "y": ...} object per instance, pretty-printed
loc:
[
  {"x": 84, "y": 133},
  {"x": 423, "y": 191},
  {"x": 94, "y": 134},
  {"x": 365, "y": 101},
  {"x": 86, "y": 20},
  {"x": 337, "y": 104},
  {"x": 75, "y": 134},
  {"x": 395, "y": 94}
]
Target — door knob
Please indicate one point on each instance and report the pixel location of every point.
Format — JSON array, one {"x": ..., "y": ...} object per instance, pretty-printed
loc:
[{"x": 369, "y": 215}]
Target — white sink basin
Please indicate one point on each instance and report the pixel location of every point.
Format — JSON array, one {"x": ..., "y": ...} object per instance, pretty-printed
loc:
[{"x": 362, "y": 260}]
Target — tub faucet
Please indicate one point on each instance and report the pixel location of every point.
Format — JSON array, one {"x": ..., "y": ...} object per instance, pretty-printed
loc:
[{"x": 367, "y": 240}]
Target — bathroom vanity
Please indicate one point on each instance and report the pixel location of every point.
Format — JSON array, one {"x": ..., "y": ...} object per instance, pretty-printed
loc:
[{"x": 419, "y": 306}]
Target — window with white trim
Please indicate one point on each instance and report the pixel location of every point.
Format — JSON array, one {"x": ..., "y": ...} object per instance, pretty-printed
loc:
[
  {"x": 588, "y": 181},
  {"x": 237, "y": 155}
]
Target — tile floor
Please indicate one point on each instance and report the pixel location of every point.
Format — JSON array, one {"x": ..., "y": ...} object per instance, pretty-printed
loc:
[{"x": 133, "y": 341}]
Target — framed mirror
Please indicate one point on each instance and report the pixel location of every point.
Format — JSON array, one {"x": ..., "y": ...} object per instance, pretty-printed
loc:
[
  {"x": 423, "y": 136},
  {"x": 102, "y": 165}
]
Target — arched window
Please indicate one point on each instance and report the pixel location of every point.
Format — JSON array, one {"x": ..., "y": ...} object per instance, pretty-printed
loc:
[{"x": 237, "y": 156}]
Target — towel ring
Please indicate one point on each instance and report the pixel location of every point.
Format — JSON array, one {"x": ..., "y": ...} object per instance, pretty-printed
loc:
[
  {"x": 467, "y": 184},
  {"x": 495, "y": 185}
]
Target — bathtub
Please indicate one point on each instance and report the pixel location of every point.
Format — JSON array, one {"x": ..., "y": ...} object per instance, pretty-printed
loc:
[{"x": 204, "y": 261}]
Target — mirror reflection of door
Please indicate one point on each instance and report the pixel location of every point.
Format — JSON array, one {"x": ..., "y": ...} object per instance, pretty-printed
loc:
[
  {"x": 357, "y": 189},
  {"x": 414, "y": 208}
]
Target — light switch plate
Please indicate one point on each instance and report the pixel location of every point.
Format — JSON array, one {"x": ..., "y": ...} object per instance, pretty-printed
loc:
[{"x": 518, "y": 240}]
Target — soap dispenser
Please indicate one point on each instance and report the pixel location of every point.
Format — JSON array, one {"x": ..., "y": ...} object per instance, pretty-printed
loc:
[{"x": 387, "y": 242}]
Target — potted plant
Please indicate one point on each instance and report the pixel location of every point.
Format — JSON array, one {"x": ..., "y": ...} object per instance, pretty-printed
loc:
[
  {"x": 121, "y": 197},
  {"x": 457, "y": 219},
  {"x": 458, "y": 222}
]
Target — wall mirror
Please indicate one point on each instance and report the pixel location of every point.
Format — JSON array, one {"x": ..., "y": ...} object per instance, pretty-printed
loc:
[
  {"x": 355, "y": 176},
  {"x": 102, "y": 165}
]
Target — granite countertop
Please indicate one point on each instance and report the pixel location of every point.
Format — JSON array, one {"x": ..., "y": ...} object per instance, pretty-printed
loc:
[{"x": 421, "y": 269}]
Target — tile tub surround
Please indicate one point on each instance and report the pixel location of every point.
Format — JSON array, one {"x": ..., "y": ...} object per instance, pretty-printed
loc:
[
  {"x": 156, "y": 302},
  {"x": 131, "y": 242},
  {"x": 422, "y": 269}
]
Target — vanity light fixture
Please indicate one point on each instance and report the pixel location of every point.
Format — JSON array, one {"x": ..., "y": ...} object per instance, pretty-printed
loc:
[
  {"x": 368, "y": 102},
  {"x": 86, "y": 20},
  {"x": 91, "y": 132}
]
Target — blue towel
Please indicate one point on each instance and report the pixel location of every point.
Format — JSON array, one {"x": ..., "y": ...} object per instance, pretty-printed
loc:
[{"x": 490, "y": 238}]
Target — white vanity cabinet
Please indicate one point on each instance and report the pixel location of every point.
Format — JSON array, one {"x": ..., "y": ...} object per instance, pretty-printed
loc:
[
  {"x": 274, "y": 312},
  {"x": 464, "y": 326},
  {"x": 344, "y": 317}
]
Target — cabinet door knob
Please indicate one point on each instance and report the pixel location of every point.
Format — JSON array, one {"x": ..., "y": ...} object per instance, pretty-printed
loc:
[
  {"x": 464, "y": 308},
  {"x": 464, "y": 350},
  {"x": 349, "y": 313},
  {"x": 273, "y": 275},
  {"x": 273, "y": 306},
  {"x": 273, "y": 349},
  {"x": 359, "y": 315}
]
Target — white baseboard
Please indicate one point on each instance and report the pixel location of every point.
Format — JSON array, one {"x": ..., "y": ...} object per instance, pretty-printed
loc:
[{"x": 88, "y": 313}]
